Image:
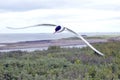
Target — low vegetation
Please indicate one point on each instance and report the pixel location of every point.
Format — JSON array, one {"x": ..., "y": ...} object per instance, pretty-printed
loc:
[{"x": 62, "y": 64}]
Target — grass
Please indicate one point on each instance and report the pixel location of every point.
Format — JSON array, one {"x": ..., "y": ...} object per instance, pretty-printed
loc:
[{"x": 58, "y": 63}]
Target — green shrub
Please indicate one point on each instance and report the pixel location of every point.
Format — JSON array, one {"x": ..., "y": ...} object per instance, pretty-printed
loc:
[{"x": 62, "y": 64}]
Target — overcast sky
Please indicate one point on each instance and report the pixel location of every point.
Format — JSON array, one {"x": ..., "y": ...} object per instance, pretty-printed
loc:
[{"x": 78, "y": 15}]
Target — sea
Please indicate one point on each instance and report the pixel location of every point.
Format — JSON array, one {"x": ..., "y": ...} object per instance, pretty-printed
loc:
[{"x": 19, "y": 37}]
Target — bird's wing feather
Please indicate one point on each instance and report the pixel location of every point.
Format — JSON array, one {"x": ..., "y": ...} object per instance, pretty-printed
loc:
[
  {"x": 33, "y": 26},
  {"x": 79, "y": 36}
]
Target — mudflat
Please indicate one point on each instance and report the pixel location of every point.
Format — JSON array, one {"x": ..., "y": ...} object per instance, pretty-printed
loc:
[{"x": 47, "y": 43}]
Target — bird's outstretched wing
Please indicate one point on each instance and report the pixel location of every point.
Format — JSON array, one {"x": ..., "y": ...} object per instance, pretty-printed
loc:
[
  {"x": 79, "y": 36},
  {"x": 33, "y": 26}
]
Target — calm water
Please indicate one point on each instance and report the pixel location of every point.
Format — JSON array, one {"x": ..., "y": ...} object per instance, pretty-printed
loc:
[
  {"x": 8, "y": 38},
  {"x": 42, "y": 48}
]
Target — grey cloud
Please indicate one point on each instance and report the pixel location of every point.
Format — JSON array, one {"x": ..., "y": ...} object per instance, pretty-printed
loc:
[
  {"x": 21, "y": 5},
  {"x": 107, "y": 19},
  {"x": 114, "y": 18},
  {"x": 106, "y": 7}
]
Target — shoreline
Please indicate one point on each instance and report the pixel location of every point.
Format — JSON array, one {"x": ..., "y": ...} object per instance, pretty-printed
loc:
[{"x": 46, "y": 43}]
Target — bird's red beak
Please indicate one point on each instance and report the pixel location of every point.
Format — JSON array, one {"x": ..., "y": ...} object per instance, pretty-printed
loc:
[{"x": 54, "y": 32}]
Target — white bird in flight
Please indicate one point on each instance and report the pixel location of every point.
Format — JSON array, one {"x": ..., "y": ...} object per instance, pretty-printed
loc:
[{"x": 59, "y": 29}]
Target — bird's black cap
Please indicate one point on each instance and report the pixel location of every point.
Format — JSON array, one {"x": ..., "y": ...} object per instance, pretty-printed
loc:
[{"x": 57, "y": 28}]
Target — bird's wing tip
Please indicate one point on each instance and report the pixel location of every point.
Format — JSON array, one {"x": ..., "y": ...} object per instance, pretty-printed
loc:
[
  {"x": 8, "y": 27},
  {"x": 101, "y": 54}
]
